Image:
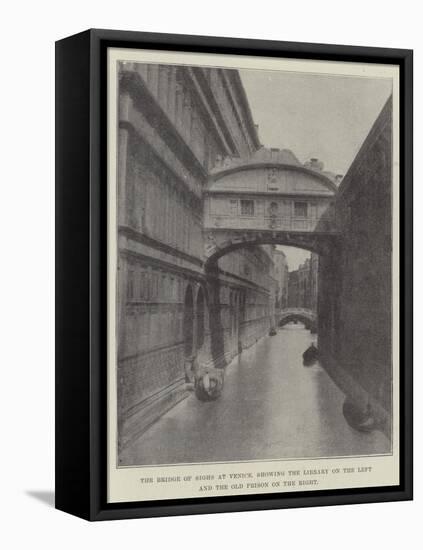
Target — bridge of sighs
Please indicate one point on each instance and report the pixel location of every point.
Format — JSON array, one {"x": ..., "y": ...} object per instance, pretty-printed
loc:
[{"x": 268, "y": 198}]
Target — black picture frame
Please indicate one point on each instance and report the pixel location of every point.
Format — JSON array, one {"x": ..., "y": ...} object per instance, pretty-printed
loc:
[{"x": 81, "y": 272}]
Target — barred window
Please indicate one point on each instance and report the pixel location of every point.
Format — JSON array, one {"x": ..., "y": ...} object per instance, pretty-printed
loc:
[
  {"x": 300, "y": 209},
  {"x": 247, "y": 208}
]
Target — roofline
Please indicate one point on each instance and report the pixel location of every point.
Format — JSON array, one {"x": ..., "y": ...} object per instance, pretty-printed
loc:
[
  {"x": 246, "y": 167},
  {"x": 384, "y": 117},
  {"x": 247, "y": 108},
  {"x": 293, "y": 194}
]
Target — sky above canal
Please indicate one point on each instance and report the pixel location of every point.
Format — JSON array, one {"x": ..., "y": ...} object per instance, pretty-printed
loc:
[{"x": 324, "y": 117}]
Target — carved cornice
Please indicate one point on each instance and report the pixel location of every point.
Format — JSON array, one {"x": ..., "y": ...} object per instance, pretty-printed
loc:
[
  {"x": 158, "y": 245},
  {"x": 243, "y": 165}
]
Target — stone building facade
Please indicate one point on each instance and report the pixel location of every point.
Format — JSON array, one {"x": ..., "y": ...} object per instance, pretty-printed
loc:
[
  {"x": 355, "y": 318},
  {"x": 313, "y": 282},
  {"x": 281, "y": 275},
  {"x": 175, "y": 123},
  {"x": 303, "y": 286}
]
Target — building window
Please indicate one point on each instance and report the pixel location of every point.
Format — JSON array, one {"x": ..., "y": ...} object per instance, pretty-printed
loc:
[
  {"x": 300, "y": 209},
  {"x": 130, "y": 287},
  {"x": 247, "y": 208},
  {"x": 144, "y": 286},
  {"x": 233, "y": 204}
]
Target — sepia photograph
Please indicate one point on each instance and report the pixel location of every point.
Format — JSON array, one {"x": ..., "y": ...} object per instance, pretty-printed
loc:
[{"x": 253, "y": 231}]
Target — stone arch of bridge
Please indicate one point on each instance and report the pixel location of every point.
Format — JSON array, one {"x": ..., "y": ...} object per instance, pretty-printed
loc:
[
  {"x": 308, "y": 319},
  {"x": 319, "y": 244},
  {"x": 219, "y": 245}
]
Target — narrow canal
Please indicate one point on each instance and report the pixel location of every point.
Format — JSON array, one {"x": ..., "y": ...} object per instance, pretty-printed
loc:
[{"x": 272, "y": 407}]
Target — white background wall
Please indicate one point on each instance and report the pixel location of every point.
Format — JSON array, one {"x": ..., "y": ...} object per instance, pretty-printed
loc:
[{"x": 28, "y": 32}]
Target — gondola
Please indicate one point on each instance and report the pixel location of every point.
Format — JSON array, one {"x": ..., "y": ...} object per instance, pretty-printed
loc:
[
  {"x": 360, "y": 420},
  {"x": 310, "y": 356},
  {"x": 209, "y": 384}
]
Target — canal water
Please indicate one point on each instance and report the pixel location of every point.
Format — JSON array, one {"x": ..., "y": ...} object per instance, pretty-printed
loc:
[{"x": 272, "y": 407}]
